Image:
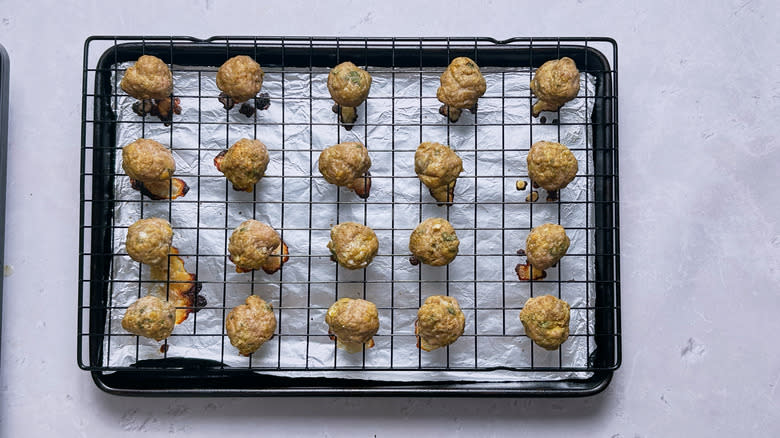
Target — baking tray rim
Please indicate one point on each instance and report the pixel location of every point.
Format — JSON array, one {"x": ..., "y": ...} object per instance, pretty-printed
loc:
[{"x": 108, "y": 380}]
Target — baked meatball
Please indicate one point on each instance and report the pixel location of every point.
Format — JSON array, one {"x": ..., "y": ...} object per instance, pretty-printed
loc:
[
  {"x": 545, "y": 245},
  {"x": 148, "y": 161},
  {"x": 546, "y": 321},
  {"x": 551, "y": 165},
  {"x": 251, "y": 245},
  {"x": 148, "y": 78},
  {"x": 462, "y": 85},
  {"x": 244, "y": 164},
  {"x": 346, "y": 165},
  {"x": 353, "y": 323},
  {"x": 353, "y": 245},
  {"x": 250, "y": 325},
  {"x": 555, "y": 83},
  {"x": 440, "y": 322},
  {"x": 348, "y": 85},
  {"x": 438, "y": 167},
  {"x": 434, "y": 242},
  {"x": 240, "y": 77},
  {"x": 150, "y": 317},
  {"x": 149, "y": 241}
]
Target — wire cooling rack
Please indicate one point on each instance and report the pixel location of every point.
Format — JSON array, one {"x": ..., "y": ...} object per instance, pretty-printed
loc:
[{"x": 305, "y": 294}]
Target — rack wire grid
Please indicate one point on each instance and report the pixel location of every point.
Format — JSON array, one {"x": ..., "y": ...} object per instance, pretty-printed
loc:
[{"x": 299, "y": 297}]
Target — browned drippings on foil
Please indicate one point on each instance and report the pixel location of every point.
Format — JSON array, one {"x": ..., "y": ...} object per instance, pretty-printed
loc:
[
  {"x": 525, "y": 272},
  {"x": 362, "y": 186},
  {"x": 347, "y": 115},
  {"x": 183, "y": 287},
  {"x": 218, "y": 160},
  {"x": 171, "y": 189},
  {"x": 274, "y": 262},
  {"x": 164, "y": 109}
]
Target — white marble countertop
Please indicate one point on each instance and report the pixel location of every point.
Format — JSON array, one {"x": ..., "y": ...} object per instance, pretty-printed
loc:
[{"x": 699, "y": 99}]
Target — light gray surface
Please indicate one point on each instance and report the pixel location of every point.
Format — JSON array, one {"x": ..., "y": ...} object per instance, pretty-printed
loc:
[{"x": 699, "y": 97}]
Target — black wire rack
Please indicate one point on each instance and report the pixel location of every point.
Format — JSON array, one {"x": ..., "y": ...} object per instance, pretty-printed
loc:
[{"x": 292, "y": 363}]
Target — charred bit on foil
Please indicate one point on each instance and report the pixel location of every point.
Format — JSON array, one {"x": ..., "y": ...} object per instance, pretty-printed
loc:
[
  {"x": 171, "y": 189},
  {"x": 525, "y": 272},
  {"x": 261, "y": 102},
  {"x": 414, "y": 260},
  {"x": 183, "y": 287},
  {"x": 162, "y": 108},
  {"x": 362, "y": 186},
  {"x": 347, "y": 115},
  {"x": 553, "y": 195},
  {"x": 450, "y": 194}
]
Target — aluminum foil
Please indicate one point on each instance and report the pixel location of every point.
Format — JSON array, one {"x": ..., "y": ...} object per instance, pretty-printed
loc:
[{"x": 402, "y": 110}]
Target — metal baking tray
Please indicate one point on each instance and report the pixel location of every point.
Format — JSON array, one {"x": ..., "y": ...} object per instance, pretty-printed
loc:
[{"x": 188, "y": 376}]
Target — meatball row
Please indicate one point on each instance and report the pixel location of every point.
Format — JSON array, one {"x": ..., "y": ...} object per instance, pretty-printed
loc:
[{"x": 240, "y": 79}]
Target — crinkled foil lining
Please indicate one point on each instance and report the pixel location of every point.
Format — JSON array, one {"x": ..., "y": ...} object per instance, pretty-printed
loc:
[{"x": 298, "y": 124}]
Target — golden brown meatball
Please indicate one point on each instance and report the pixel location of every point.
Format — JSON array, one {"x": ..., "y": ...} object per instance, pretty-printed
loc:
[
  {"x": 250, "y": 325},
  {"x": 240, "y": 77},
  {"x": 546, "y": 321},
  {"x": 434, "y": 242},
  {"x": 349, "y": 84},
  {"x": 462, "y": 85},
  {"x": 438, "y": 168},
  {"x": 244, "y": 164},
  {"x": 353, "y": 323},
  {"x": 251, "y": 245},
  {"x": 440, "y": 322},
  {"x": 545, "y": 245},
  {"x": 551, "y": 165},
  {"x": 150, "y": 317},
  {"x": 555, "y": 83},
  {"x": 148, "y": 161},
  {"x": 346, "y": 165},
  {"x": 149, "y": 241},
  {"x": 148, "y": 78},
  {"x": 353, "y": 245}
]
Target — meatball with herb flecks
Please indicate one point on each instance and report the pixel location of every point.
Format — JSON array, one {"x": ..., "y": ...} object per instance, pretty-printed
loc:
[
  {"x": 251, "y": 244},
  {"x": 348, "y": 85},
  {"x": 555, "y": 83},
  {"x": 240, "y": 78},
  {"x": 149, "y": 241},
  {"x": 462, "y": 84},
  {"x": 150, "y": 317},
  {"x": 551, "y": 165},
  {"x": 147, "y": 160},
  {"x": 250, "y": 325},
  {"x": 148, "y": 78},
  {"x": 440, "y": 322},
  {"x": 346, "y": 165},
  {"x": 438, "y": 168},
  {"x": 353, "y": 322},
  {"x": 434, "y": 242},
  {"x": 353, "y": 245},
  {"x": 546, "y": 321},
  {"x": 545, "y": 245},
  {"x": 244, "y": 164}
]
